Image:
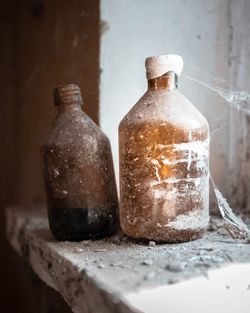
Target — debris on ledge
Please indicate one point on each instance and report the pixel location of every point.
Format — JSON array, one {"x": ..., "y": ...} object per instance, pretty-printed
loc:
[{"x": 123, "y": 276}]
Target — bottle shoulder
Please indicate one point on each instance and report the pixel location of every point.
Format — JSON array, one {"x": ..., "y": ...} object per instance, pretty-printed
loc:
[
  {"x": 75, "y": 128},
  {"x": 164, "y": 106}
]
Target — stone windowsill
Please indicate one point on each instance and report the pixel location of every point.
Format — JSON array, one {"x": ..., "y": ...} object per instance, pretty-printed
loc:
[{"x": 211, "y": 274}]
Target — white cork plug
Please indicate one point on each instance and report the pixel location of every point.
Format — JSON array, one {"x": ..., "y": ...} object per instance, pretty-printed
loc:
[{"x": 157, "y": 66}]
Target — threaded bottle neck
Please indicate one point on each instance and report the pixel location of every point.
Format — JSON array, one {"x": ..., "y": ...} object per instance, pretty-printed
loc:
[{"x": 69, "y": 94}]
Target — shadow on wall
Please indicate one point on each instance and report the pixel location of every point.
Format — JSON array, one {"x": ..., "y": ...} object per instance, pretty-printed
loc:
[{"x": 43, "y": 44}]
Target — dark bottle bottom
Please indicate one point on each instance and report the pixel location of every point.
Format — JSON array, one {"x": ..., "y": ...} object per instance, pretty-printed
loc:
[{"x": 76, "y": 224}]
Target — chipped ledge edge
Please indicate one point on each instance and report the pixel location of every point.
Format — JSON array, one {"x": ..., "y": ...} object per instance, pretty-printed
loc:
[{"x": 80, "y": 289}]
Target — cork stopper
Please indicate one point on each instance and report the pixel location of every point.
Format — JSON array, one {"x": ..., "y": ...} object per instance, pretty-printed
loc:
[
  {"x": 67, "y": 94},
  {"x": 157, "y": 66}
]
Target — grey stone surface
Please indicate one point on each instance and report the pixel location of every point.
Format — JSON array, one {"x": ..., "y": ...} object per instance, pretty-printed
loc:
[{"x": 97, "y": 276}]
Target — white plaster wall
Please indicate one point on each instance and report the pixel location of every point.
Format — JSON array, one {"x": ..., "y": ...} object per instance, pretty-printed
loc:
[
  {"x": 199, "y": 30},
  {"x": 239, "y": 68}
]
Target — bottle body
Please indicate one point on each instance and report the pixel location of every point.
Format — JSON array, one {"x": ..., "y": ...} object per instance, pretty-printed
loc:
[
  {"x": 164, "y": 168},
  {"x": 79, "y": 178}
]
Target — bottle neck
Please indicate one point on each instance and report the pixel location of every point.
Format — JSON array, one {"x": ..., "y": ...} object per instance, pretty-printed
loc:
[
  {"x": 167, "y": 81},
  {"x": 67, "y": 97}
]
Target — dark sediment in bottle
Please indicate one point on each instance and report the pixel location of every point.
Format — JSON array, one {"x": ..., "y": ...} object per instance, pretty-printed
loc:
[{"x": 81, "y": 223}]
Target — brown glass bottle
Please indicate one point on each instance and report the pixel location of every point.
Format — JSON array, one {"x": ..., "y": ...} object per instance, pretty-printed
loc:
[
  {"x": 78, "y": 172},
  {"x": 164, "y": 165}
]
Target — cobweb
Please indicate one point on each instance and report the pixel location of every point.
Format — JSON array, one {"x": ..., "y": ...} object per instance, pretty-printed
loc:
[
  {"x": 233, "y": 224},
  {"x": 239, "y": 100}
]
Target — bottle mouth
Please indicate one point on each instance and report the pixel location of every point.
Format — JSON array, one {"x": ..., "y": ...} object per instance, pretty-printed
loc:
[
  {"x": 67, "y": 94},
  {"x": 157, "y": 66}
]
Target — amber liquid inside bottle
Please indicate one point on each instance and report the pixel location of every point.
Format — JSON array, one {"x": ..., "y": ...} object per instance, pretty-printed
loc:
[
  {"x": 78, "y": 173},
  {"x": 164, "y": 166}
]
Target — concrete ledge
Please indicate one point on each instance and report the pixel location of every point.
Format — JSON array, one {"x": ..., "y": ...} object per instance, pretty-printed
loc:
[{"x": 120, "y": 275}]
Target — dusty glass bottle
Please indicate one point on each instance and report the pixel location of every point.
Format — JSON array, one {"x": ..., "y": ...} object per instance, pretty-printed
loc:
[
  {"x": 164, "y": 160},
  {"x": 78, "y": 172}
]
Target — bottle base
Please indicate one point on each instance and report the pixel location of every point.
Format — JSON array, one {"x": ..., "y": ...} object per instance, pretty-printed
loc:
[
  {"x": 168, "y": 235},
  {"x": 76, "y": 224}
]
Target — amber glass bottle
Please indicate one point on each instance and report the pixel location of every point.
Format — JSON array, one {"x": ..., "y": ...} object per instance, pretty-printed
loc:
[
  {"x": 164, "y": 160},
  {"x": 78, "y": 172}
]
